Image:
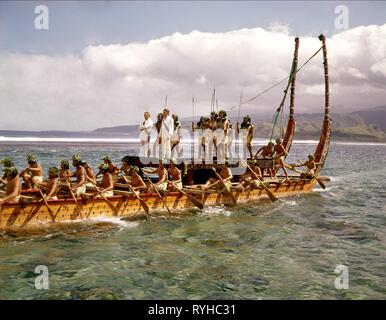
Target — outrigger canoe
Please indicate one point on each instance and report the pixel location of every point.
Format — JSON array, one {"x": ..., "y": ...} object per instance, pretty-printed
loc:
[{"x": 30, "y": 211}]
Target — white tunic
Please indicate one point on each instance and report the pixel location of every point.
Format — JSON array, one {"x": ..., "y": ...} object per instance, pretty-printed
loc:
[
  {"x": 145, "y": 129},
  {"x": 167, "y": 128}
]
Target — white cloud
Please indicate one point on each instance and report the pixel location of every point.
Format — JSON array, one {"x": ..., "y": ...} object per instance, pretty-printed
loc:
[{"x": 112, "y": 84}]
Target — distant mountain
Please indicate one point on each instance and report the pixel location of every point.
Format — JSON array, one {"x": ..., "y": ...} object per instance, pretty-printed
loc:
[
  {"x": 376, "y": 116},
  {"x": 364, "y": 125}
]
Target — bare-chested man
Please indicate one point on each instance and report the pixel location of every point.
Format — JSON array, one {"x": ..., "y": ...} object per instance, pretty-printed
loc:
[
  {"x": 125, "y": 169},
  {"x": 247, "y": 133},
  {"x": 107, "y": 183},
  {"x": 279, "y": 156},
  {"x": 225, "y": 174},
  {"x": 310, "y": 165},
  {"x": 136, "y": 182},
  {"x": 6, "y": 162},
  {"x": 90, "y": 176},
  {"x": 79, "y": 187},
  {"x": 12, "y": 185},
  {"x": 162, "y": 183},
  {"x": 64, "y": 172},
  {"x": 33, "y": 174},
  {"x": 175, "y": 173},
  {"x": 113, "y": 169},
  {"x": 52, "y": 184},
  {"x": 266, "y": 152},
  {"x": 248, "y": 178}
]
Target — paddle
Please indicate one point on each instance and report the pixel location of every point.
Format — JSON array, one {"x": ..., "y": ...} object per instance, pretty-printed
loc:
[
  {"x": 313, "y": 176},
  {"x": 46, "y": 204},
  {"x": 104, "y": 198},
  {"x": 227, "y": 189},
  {"x": 269, "y": 192},
  {"x": 159, "y": 195},
  {"x": 74, "y": 198},
  {"x": 190, "y": 197},
  {"x": 143, "y": 203}
]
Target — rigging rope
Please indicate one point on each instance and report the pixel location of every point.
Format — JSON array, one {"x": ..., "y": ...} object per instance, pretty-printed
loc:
[{"x": 280, "y": 82}]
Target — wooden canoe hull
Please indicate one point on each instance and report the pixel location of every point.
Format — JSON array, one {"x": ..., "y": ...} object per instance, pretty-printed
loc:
[{"x": 16, "y": 215}]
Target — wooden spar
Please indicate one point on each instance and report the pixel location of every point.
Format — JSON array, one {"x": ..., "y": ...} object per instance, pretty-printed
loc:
[
  {"x": 293, "y": 80},
  {"x": 192, "y": 148},
  {"x": 291, "y": 125},
  {"x": 324, "y": 140}
]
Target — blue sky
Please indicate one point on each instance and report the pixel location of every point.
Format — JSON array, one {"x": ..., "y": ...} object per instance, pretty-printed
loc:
[
  {"x": 74, "y": 25},
  {"x": 95, "y": 66}
]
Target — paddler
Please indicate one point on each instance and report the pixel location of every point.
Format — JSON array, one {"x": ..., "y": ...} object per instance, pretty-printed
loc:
[
  {"x": 33, "y": 174},
  {"x": 12, "y": 185},
  {"x": 136, "y": 182},
  {"x": 225, "y": 174},
  {"x": 64, "y": 172},
  {"x": 125, "y": 169},
  {"x": 310, "y": 164},
  {"x": 6, "y": 162},
  {"x": 80, "y": 173},
  {"x": 175, "y": 174},
  {"x": 107, "y": 183},
  {"x": 51, "y": 186},
  {"x": 90, "y": 176},
  {"x": 247, "y": 180},
  {"x": 113, "y": 169},
  {"x": 162, "y": 183}
]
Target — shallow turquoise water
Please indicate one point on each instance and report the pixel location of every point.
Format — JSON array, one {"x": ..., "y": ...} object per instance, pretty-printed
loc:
[{"x": 254, "y": 251}]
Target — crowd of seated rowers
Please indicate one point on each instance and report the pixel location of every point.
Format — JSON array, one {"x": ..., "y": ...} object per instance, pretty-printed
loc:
[
  {"x": 81, "y": 178},
  {"x": 169, "y": 176}
]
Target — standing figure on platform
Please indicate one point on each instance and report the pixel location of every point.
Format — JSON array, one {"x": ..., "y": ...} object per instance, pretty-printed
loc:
[
  {"x": 166, "y": 133},
  {"x": 203, "y": 137},
  {"x": 144, "y": 135},
  {"x": 278, "y": 156},
  {"x": 176, "y": 137},
  {"x": 157, "y": 142},
  {"x": 246, "y": 129},
  {"x": 222, "y": 131},
  {"x": 229, "y": 141},
  {"x": 212, "y": 137}
]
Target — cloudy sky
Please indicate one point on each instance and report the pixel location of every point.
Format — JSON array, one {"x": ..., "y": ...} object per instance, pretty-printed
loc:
[{"x": 104, "y": 63}]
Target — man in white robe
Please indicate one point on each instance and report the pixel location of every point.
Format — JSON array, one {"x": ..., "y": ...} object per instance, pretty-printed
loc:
[
  {"x": 144, "y": 135},
  {"x": 167, "y": 130}
]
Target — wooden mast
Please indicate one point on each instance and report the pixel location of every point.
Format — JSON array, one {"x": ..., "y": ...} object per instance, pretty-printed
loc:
[
  {"x": 324, "y": 140},
  {"x": 291, "y": 124}
]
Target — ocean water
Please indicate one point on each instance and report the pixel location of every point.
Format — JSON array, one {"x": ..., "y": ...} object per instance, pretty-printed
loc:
[{"x": 259, "y": 250}]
